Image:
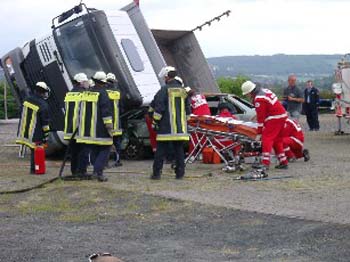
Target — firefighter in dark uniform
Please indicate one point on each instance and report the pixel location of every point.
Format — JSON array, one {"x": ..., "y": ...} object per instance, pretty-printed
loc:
[
  {"x": 33, "y": 128},
  {"x": 95, "y": 127},
  {"x": 171, "y": 110},
  {"x": 114, "y": 96},
  {"x": 72, "y": 111}
]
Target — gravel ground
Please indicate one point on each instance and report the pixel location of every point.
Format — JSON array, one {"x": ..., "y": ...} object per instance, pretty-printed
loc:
[{"x": 206, "y": 217}]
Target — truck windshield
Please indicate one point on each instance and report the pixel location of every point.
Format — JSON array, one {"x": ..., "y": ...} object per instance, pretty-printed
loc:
[{"x": 77, "y": 48}]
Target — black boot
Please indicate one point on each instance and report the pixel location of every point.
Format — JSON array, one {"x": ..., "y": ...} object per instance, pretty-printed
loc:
[
  {"x": 306, "y": 155},
  {"x": 156, "y": 175},
  {"x": 100, "y": 176},
  {"x": 282, "y": 166}
]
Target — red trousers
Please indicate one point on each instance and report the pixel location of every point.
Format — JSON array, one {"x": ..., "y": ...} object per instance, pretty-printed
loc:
[
  {"x": 292, "y": 147},
  {"x": 271, "y": 137}
]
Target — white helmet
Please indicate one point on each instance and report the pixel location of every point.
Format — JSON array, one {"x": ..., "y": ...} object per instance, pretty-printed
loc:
[
  {"x": 247, "y": 87},
  {"x": 111, "y": 76},
  {"x": 188, "y": 89},
  {"x": 337, "y": 88},
  {"x": 91, "y": 83},
  {"x": 43, "y": 85},
  {"x": 179, "y": 79},
  {"x": 100, "y": 76},
  {"x": 165, "y": 70},
  {"x": 80, "y": 77}
]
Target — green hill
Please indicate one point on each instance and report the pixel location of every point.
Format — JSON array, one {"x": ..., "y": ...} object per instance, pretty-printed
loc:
[{"x": 276, "y": 66}]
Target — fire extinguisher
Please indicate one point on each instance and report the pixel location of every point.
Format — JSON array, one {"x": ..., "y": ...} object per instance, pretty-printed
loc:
[{"x": 39, "y": 160}]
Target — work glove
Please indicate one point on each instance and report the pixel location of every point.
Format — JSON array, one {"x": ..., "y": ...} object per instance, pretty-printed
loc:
[{"x": 155, "y": 125}]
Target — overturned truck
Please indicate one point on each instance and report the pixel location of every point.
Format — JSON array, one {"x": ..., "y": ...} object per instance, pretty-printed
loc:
[{"x": 85, "y": 39}]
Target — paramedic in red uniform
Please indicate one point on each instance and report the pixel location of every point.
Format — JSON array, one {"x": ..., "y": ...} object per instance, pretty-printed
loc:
[
  {"x": 271, "y": 117},
  {"x": 199, "y": 104},
  {"x": 293, "y": 141},
  {"x": 199, "y": 107}
]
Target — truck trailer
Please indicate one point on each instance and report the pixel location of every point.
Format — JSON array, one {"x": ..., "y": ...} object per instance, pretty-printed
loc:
[{"x": 85, "y": 39}]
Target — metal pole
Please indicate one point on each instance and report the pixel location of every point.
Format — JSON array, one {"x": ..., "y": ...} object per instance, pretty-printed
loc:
[{"x": 5, "y": 99}]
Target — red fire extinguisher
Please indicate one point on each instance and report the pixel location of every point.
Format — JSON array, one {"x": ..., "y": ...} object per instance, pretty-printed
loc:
[{"x": 39, "y": 160}]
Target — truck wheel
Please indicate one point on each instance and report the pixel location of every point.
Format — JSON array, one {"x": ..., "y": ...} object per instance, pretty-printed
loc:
[{"x": 134, "y": 150}]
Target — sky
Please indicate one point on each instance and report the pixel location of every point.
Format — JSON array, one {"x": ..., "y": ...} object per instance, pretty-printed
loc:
[{"x": 255, "y": 27}]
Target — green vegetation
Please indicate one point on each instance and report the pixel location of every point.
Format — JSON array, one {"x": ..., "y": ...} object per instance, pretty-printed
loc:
[
  {"x": 280, "y": 65},
  {"x": 231, "y": 85},
  {"x": 12, "y": 107}
]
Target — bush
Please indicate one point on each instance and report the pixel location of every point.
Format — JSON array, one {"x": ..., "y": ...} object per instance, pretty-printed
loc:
[{"x": 232, "y": 85}]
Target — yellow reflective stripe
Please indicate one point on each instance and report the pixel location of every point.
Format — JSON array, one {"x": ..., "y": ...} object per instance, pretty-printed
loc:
[
  {"x": 157, "y": 116},
  {"x": 89, "y": 96},
  {"x": 183, "y": 116},
  {"x": 46, "y": 128},
  {"x": 31, "y": 125},
  {"x": 31, "y": 106},
  {"x": 66, "y": 117},
  {"x": 75, "y": 115},
  {"x": 173, "y": 114},
  {"x": 23, "y": 142},
  {"x": 83, "y": 115},
  {"x": 117, "y": 133},
  {"x": 23, "y": 121},
  {"x": 93, "y": 121},
  {"x": 113, "y": 95},
  {"x": 107, "y": 120},
  {"x": 173, "y": 138},
  {"x": 73, "y": 97},
  {"x": 116, "y": 116},
  {"x": 94, "y": 142}
]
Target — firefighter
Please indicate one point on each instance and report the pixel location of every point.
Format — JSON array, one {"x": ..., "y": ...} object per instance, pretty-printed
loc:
[
  {"x": 33, "y": 128},
  {"x": 95, "y": 128},
  {"x": 171, "y": 110},
  {"x": 72, "y": 111},
  {"x": 293, "y": 141},
  {"x": 271, "y": 117},
  {"x": 114, "y": 96}
]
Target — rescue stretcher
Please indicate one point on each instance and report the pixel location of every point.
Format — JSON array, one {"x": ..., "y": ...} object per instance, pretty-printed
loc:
[{"x": 232, "y": 140}]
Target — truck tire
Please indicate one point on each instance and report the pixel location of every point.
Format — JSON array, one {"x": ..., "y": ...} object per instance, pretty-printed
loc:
[{"x": 134, "y": 150}]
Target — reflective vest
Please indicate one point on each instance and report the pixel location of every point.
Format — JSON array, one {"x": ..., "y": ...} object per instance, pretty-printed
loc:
[
  {"x": 171, "y": 109},
  {"x": 72, "y": 102},
  {"x": 95, "y": 113},
  {"x": 34, "y": 123},
  {"x": 114, "y": 97}
]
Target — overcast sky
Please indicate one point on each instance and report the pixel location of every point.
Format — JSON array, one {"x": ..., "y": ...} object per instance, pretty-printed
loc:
[{"x": 255, "y": 27}]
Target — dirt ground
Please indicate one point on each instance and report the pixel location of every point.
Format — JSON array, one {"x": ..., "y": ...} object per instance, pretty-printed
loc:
[{"x": 208, "y": 216}]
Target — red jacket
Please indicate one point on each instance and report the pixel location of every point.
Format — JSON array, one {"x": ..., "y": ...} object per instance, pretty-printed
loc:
[
  {"x": 267, "y": 107},
  {"x": 199, "y": 105},
  {"x": 293, "y": 130}
]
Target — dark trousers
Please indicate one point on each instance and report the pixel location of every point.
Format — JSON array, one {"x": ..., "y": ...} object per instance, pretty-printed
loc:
[
  {"x": 75, "y": 149},
  {"x": 161, "y": 153},
  {"x": 84, "y": 155},
  {"x": 117, "y": 144},
  {"x": 101, "y": 157},
  {"x": 311, "y": 113}
]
